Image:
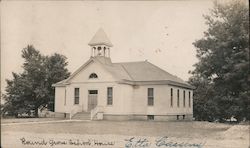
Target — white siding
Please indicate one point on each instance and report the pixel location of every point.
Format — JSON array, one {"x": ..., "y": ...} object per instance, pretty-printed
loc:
[
  {"x": 161, "y": 101},
  {"x": 122, "y": 100},
  {"x": 83, "y": 75},
  {"x": 122, "y": 94},
  {"x": 59, "y": 99},
  {"x": 127, "y": 99}
]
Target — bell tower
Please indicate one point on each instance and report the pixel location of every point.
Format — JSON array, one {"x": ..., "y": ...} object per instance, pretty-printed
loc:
[{"x": 100, "y": 44}]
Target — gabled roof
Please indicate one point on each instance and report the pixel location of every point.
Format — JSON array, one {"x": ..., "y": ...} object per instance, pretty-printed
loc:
[
  {"x": 100, "y": 38},
  {"x": 134, "y": 73},
  {"x": 146, "y": 71}
]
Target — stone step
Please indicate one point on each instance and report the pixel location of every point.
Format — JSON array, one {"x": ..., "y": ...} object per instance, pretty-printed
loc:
[{"x": 82, "y": 116}]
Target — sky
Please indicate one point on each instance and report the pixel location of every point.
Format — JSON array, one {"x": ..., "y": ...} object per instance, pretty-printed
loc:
[{"x": 161, "y": 32}]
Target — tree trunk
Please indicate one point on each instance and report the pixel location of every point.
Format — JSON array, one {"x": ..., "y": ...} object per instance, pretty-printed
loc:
[{"x": 36, "y": 112}]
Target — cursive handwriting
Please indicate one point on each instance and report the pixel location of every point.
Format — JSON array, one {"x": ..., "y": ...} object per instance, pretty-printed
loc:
[
  {"x": 78, "y": 142},
  {"x": 165, "y": 142},
  {"x": 160, "y": 142},
  {"x": 100, "y": 143},
  {"x": 132, "y": 142},
  {"x": 29, "y": 142},
  {"x": 140, "y": 142},
  {"x": 53, "y": 142},
  {"x": 71, "y": 142}
]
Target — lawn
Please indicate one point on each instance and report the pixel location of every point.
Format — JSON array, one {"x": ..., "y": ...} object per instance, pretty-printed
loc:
[
  {"x": 24, "y": 120},
  {"x": 207, "y": 134}
]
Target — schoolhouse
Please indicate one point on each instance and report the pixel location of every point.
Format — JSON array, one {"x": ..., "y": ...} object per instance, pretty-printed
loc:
[{"x": 103, "y": 90}]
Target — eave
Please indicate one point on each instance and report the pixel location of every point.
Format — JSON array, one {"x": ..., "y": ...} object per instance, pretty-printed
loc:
[{"x": 157, "y": 82}]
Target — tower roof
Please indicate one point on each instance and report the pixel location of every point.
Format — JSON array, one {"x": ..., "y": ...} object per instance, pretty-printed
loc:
[{"x": 100, "y": 38}]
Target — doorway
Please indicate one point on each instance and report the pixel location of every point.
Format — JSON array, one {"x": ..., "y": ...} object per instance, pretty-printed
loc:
[{"x": 92, "y": 99}]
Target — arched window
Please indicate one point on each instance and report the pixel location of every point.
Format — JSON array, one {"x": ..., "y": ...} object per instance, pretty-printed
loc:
[
  {"x": 93, "y": 76},
  {"x": 99, "y": 50}
]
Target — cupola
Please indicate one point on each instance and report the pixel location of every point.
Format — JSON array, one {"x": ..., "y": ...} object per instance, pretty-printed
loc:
[{"x": 100, "y": 44}]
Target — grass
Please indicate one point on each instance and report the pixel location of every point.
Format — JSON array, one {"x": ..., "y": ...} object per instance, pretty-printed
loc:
[
  {"x": 214, "y": 135},
  {"x": 22, "y": 120},
  {"x": 145, "y": 128}
]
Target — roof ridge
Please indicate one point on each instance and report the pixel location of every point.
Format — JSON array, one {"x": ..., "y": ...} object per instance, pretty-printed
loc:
[
  {"x": 127, "y": 72},
  {"x": 165, "y": 71},
  {"x": 130, "y": 62}
]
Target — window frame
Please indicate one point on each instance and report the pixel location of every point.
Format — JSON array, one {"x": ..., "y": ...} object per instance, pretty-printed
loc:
[
  {"x": 171, "y": 97},
  {"x": 93, "y": 76},
  {"x": 76, "y": 96},
  {"x": 150, "y": 117},
  {"x": 189, "y": 99},
  {"x": 109, "y": 96},
  {"x": 150, "y": 97},
  {"x": 184, "y": 98},
  {"x": 178, "y": 98},
  {"x": 65, "y": 97}
]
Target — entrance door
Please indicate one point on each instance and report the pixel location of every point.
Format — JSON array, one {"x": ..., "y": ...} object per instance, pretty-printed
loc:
[{"x": 92, "y": 99}]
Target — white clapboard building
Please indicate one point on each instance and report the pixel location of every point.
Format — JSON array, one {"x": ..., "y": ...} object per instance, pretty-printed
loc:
[{"x": 103, "y": 90}]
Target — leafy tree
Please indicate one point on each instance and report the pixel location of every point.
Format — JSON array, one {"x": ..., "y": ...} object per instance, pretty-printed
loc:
[
  {"x": 223, "y": 65},
  {"x": 205, "y": 108},
  {"x": 15, "y": 96},
  {"x": 32, "y": 89},
  {"x": 56, "y": 72}
]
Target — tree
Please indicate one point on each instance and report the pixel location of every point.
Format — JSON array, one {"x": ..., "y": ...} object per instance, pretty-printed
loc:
[
  {"x": 223, "y": 65},
  {"x": 56, "y": 72},
  {"x": 32, "y": 89},
  {"x": 205, "y": 108},
  {"x": 15, "y": 96}
]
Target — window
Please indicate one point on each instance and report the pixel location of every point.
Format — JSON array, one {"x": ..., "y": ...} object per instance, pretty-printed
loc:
[
  {"x": 178, "y": 98},
  {"x": 77, "y": 95},
  {"x": 150, "y": 117},
  {"x": 171, "y": 97},
  {"x": 99, "y": 50},
  {"x": 104, "y": 50},
  {"x": 189, "y": 99},
  {"x": 110, "y": 96},
  {"x": 184, "y": 98},
  {"x": 65, "y": 95},
  {"x": 93, "y": 92},
  {"x": 150, "y": 96},
  {"x": 93, "y": 76}
]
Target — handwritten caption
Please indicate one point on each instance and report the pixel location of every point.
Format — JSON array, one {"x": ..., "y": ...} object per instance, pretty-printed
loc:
[
  {"x": 159, "y": 142},
  {"x": 132, "y": 142},
  {"x": 71, "y": 142}
]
